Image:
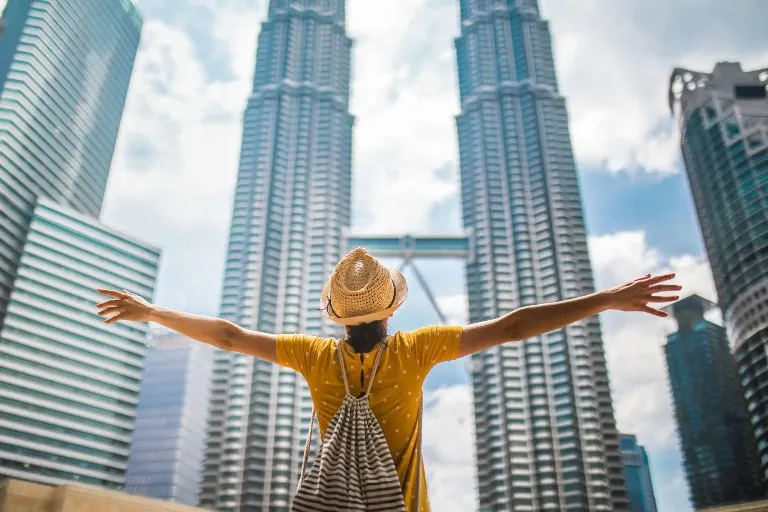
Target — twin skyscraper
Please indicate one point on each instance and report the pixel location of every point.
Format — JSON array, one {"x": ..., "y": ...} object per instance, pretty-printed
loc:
[{"x": 545, "y": 427}]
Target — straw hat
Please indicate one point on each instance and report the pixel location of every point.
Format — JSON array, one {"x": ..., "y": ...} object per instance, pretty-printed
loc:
[{"x": 362, "y": 290}]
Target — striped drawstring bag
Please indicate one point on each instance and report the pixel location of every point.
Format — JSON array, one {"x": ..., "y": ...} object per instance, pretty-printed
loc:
[{"x": 353, "y": 470}]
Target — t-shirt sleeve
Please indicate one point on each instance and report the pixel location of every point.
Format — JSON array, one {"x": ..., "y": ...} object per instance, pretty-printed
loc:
[
  {"x": 299, "y": 351},
  {"x": 435, "y": 345}
]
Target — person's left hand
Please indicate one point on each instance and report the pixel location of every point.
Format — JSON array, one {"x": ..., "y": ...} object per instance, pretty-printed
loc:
[{"x": 636, "y": 295}]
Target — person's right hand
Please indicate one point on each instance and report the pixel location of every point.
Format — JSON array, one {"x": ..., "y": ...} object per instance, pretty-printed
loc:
[{"x": 124, "y": 306}]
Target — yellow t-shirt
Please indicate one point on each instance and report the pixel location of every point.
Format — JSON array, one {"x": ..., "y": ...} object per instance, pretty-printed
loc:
[{"x": 395, "y": 395}]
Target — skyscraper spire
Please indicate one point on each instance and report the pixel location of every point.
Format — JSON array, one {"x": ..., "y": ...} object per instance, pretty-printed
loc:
[
  {"x": 292, "y": 202},
  {"x": 545, "y": 428}
]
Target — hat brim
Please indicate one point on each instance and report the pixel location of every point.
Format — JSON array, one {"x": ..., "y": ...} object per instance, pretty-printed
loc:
[{"x": 401, "y": 292}]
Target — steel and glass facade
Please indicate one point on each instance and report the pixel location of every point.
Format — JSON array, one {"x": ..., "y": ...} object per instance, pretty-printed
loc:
[
  {"x": 167, "y": 451},
  {"x": 637, "y": 471},
  {"x": 545, "y": 430},
  {"x": 291, "y": 206},
  {"x": 719, "y": 450},
  {"x": 65, "y": 67},
  {"x": 69, "y": 383},
  {"x": 724, "y": 140}
]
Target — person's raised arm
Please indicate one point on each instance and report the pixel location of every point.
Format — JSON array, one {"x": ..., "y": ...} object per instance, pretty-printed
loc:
[
  {"x": 530, "y": 321},
  {"x": 125, "y": 306}
]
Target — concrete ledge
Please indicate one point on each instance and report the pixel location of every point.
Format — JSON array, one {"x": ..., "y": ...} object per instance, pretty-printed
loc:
[
  {"x": 753, "y": 506},
  {"x": 18, "y": 496}
]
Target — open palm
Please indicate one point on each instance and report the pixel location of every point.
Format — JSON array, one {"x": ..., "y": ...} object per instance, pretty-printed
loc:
[{"x": 638, "y": 294}]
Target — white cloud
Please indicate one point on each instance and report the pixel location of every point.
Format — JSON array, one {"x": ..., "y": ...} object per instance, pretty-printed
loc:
[
  {"x": 448, "y": 448},
  {"x": 615, "y": 77},
  {"x": 175, "y": 164},
  {"x": 454, "y": 307},
  {"x": 405, "y": 127}
]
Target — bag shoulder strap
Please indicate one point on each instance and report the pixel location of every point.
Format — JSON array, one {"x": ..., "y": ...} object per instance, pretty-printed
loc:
[
  {"x": 307, "y": 446},
  {"x": 340, "y": 354}
]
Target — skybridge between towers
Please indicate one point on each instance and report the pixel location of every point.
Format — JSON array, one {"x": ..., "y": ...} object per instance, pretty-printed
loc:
[{"x": 412, "y": 247}]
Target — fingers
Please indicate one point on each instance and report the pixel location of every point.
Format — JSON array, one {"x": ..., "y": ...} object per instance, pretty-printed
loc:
[
  {"x": 652, "y": 311},
  {"x": 659, "y": 279},
  {"x": 112, "y": 293},
  {"x": 662, "y": 298},
  {"x": 116, "y": 318},
  {"x": 665, "y": 288},
  {"x": 113, "y": 302},
  {"x": 110, "y": 311}
]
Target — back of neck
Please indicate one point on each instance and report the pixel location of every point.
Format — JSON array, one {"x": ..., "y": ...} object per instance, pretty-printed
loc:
[{"x": 363, "y": 346}]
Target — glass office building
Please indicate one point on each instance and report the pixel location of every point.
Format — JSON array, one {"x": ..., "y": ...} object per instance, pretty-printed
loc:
[
  {"x": 546, "y": 435},
  {"x": 69, "y": 383},
  {"x": 292, "y": 203},
  {"x": 65, "y": 67},
  {"x": 724, "y": 139},
  {"x": 167, "y": 452},
  {"x": 637, "y": 471},
  {"x": 719, "y": 450}
]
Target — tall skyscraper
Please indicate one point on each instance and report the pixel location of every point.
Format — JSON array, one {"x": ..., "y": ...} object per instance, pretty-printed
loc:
[
  {"x": 719, "y": 451},
  {"x": 637, "y": 471},
  {"x": 724, "y": 138},
  {"x": 64, "y": 72},
  {"x": 292, "y": 202},
  {"x": 69, "y": 383},
  {"x": 166, "y": 459},
  {"x": 545, "y": 430}
]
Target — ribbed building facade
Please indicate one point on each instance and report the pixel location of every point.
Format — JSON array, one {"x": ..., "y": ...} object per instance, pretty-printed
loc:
[
  {"x": 637, "y": 471},
  {"x": 65, "y": 67},
  {"x": 724, "y": 139},
  {"x": 166, "y": 459},
  {"x": 720, "y": 456},
  {"x": 69, "y": 383},
  {"x": 545, "y": 431},
  {"x": 292, "y": 203}
]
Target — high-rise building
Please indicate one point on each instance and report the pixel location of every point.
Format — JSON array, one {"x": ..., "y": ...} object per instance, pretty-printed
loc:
[
  {"x": 166, "y": 459},
  {"x": 546, "y": 435},
  {"x": 69, "y": 383},
  {"x": 292, "y": 203},
  {"x": 724, "y": 138},
  {"x": 637, "y": 472},
  {"x": 65, "y": 67},
  {"x": 719, "y": 450}
]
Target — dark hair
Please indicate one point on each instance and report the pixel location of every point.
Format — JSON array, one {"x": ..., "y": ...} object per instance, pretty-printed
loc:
[{"x": 363, "y": 337}]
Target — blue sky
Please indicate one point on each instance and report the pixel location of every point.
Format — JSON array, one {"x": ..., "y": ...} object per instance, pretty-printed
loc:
[{"x": 176, "y": 160}]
